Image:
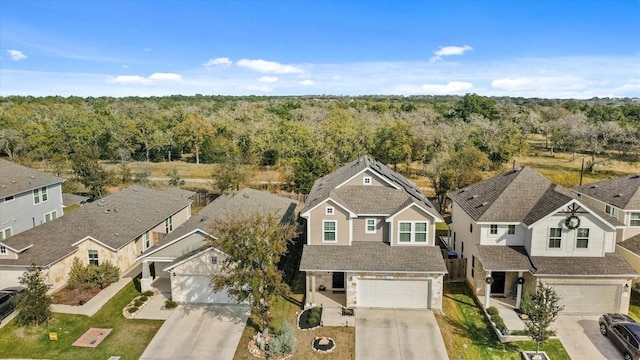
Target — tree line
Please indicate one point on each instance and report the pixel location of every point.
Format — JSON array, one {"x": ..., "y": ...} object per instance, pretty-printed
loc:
[{"x": 309, "y": 136}]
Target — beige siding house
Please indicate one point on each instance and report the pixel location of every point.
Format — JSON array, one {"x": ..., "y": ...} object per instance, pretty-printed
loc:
[
  {"x": 116, "y": 228},
  {"x": 371, "y": 240},
  {"x": 182, "y": 263},
  {"x": 518, "y": 229}
]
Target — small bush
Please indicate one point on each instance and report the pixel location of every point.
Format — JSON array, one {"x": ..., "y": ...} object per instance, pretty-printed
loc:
[
  {"x": 148, "y": 293},
  {"x": 76, "y": 274},
  {"x": 313, "y": 321},
  {"x": 287, "y": 338},
  {"x": 138, "y": 302},
  {"x": 91, "y": 276},
  {"x": 107, "y": 274},
  {"x": 275, "y": 347},
  {"x": 170, "y": 304},
  {"x": 316, "y": 311},
  {"x": 492, "y": 311},
  {"x": 143, "y": 297},
  {"x": 132, "y": 309}
]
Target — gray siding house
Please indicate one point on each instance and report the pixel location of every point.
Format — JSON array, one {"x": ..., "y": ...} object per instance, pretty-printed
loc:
[
  {"x": 371, "y": 240},
  {"x": 28, "y": 198}
]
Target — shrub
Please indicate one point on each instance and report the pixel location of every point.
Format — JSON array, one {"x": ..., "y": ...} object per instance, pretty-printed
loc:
[
  {"x": 287, "y": 338},
  {"x": 316, "y": 311},
  {"x": 92, "y": 276},
  {"x": 170, "y": 304},
  {"x": 492, "y": 310},
  {"x": 132, "y": 309},
  {"x": 148, "y": 293},
  {"x": 107, "y": 274},
  {"x": 77, "y": 274},
  {"x": 143, "y": 297},
  {"x": 313, "y": 321},
  {"x": 275, "y": 347},
  {"x": 138, "y": 302}
]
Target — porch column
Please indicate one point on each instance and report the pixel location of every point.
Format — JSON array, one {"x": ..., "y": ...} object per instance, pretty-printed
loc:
[
  {"x": 313, "y": 288},
  {"x": 487, "y": 290},
  {"x": 146, "y": 280},
  {"x": 519, "y": 291}
]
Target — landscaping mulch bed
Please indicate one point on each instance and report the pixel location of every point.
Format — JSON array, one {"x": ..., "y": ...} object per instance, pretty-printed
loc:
[
  {"x": 67, "y": 296},
  {"x": 323, "y": 344},
  {"x": 303, "y": 319}
]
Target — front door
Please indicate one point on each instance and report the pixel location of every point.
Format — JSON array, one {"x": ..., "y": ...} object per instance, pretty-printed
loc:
[
  {"x": 338, "y": 281},
  {"x": 498, "y": 283}
]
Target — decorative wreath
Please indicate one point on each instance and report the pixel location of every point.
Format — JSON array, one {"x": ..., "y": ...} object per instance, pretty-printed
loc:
[
  {"x": 572, "y": 222},
  {"x": 520, "y": 280},
  {"x": 488, "y": 280}
]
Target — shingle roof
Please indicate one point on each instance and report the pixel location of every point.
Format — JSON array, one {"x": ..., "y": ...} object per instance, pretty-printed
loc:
[
  {"x": 611, "y": 264},
  {"x": 16, "y": 179},
  {"x": 366, "y": 199},
  {"x": 504, "y": 258},
  {"x": 241, "y": 203},
  {"x": 623, "y": 192},
  {"x": 73, "y": 199},
  {"x": 372, "y": 256},
  {"x": 632, "y": 244},
  {"x": 114, "y": 220},
  {"x": 186, "y": 256}
]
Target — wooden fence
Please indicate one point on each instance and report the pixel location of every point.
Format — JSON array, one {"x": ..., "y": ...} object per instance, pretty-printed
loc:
[{"x": 457, "y": 269}]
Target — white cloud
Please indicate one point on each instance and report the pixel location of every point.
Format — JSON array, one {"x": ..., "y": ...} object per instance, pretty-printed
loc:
[
  {"x": 17, "y": 55},
  {"x": 450, "y": 50},
  {"x": 264, "y": 66},
  {"x": 268, "y": 79},
  {"x": 224, "y": 61},
  {"x": 306, "y": 82},
  {"x": 541, "y": 83},
  {"x": 136, "y": 79},
  {"x": 452, "y": 87}
]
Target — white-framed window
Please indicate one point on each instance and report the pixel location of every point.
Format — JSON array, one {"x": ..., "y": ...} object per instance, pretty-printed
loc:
[
  {"x": 3, "y": 249},
  {"x": 370, "y": 226},
  {"x": 6, "y": 233},
  {"x": 93, "y": 257},
  {"x": 634, "y": 219},
  {"x": 555, "y": 238},
  {"x": 511, "y": 230},
  {"x": 412, "y": 231},
  {"x": 147, "y": 240},
  {"x": 366, "y": 180},
  {"x": 582, "y": 240},
  {"x": 329, "y": 230},
  {"x": 493, "y": 229},
  {"x": 50, "y": 216},
  {"x": 40, "y": 195},
  {"x": 613, "y": 211},
  {"x": 36, "y": 196},
  {"x": 168, "y": 224},
  {"x": 329, "y": 210}
]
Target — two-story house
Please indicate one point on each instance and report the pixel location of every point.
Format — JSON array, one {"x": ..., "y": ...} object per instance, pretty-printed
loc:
[
  {"x": 518, "y": 229},
  {"x": 28, "y": 198},
  {"x": 117, "y": 228},
  {"x": 371, "y": 240},
  {"x": 183, "y": 262},
  {"x": 620, "y": 198}
]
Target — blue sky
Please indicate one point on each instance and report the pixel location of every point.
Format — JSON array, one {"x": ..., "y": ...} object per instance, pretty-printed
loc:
[{"x": 543, "y": 48}]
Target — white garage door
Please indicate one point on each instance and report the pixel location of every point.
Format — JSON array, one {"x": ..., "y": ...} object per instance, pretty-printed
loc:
[
  {"x": 594, "y": 299},
  {"x": 412, "y": 294},
  {"x": 9, "y": 278},
  {"x": 192, "y": 289}
]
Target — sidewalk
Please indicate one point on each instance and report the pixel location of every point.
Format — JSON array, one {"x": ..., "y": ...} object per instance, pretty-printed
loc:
[
  {"x": 153, "y": 309},
  {"x": 97, "y": 302}
]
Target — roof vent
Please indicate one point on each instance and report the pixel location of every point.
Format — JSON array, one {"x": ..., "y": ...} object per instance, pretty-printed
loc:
[
  {"x": 484, "y": 203},
  {"x": 33, "y": 177},
  {"x": 245, "y": 195},
  {"x": 618, "y": 195},
  {"x": 475, "y": 196},
  {"x": 593, "y": 186}
]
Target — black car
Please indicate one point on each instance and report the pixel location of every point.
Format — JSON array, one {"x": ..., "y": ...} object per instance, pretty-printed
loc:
[
  {"x": 7, "y": 305},
  {"x": 624, "y": 332}
]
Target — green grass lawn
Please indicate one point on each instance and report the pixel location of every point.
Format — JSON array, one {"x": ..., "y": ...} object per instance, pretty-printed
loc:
[
  {"x": 467, "y": 335},
  {"x": 634, "y": 306},
  {"x": 128, "y": 339}
]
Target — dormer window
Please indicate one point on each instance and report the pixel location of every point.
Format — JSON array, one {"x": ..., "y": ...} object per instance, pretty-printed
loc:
[
  {"x": 614, "y": 212},
  {"x": 366, "y": 180},
  {"x": 329, "y": 210}
]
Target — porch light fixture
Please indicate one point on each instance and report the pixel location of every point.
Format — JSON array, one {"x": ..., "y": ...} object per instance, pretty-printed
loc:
[{"x": 626, "y": 287}]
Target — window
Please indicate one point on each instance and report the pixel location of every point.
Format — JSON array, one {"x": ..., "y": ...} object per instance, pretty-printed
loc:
[
  {"x": 582, "y": 241},
  {"x": 366, "y": 180},
  {"x": 168, "y": 224},
  {"x": 555, "y": 238},
  {"x": 493, "y": 230},
  {"x": 329, "y": 210},
  {"x": 454, "y": 241},
  {"x": 36, "y": 196},
  {"x": 473, "y": 266},
  {"x": 635, "y": 219},
  {"x": 511, "y": 230},
  {"x": 3, "y": 249},
  {"x": 50, "y": 216},
  {"x": 40, "y": 195},
  {"x": 93, "y": 257},
  {"x": 214, "y": 260},
  {"x": 147, "y": 240},
  {"x": 329, "y": 230},
  {"x": 614, "y": 212},
  {"x": 461, "y": 249},
  {"x": 45, "y": 195},
  {"x": 5, "y": 233},
  {"x": 370, "y": 227},
  {"x": 471, "y": 228},
  {"x": 412, "y": 231}
]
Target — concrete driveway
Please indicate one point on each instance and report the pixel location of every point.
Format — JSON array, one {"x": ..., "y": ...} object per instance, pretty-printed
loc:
[
  {"x": 580, "y": 336},
  {"x": 398, "y": 334},
  {"x": 199, "y": 332}
]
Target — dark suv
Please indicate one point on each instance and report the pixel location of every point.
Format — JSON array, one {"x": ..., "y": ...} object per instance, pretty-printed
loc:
[
  {"x": 7, "y": 305},
  {"x": 624, "y": 332}
]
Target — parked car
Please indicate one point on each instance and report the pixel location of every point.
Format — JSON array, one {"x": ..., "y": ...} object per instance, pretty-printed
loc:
[
  {"x": 624, "y": 332},
  {"x": 7, "y": 305}
]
